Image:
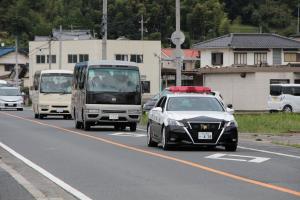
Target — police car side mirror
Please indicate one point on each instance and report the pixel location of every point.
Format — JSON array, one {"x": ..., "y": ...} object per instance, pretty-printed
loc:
[
  {"x": 158, "y": 109},
  {"x": 229, "y": 106},
  {"x": 229, "y": 110}
]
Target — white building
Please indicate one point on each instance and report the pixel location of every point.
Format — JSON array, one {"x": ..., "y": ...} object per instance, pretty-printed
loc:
[
  {"x": 8, "y": 62},
  {"x": 78, "y": 50},
  {"x": 242, "y": 66}
]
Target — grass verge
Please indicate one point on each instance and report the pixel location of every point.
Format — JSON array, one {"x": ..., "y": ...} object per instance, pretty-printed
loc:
[{"x": 273, "y": 124}]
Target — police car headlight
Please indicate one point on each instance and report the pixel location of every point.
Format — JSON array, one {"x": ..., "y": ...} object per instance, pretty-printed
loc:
[
  {"x": 232, "y": 124},
  {"x": 173, "y": 122}
]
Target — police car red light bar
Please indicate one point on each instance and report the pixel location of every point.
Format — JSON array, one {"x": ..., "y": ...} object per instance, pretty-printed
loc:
[{"x": 190, "y": 89}]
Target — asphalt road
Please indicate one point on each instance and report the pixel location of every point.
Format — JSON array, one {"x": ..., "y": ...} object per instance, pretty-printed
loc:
[{"x": 110, "y": 165}]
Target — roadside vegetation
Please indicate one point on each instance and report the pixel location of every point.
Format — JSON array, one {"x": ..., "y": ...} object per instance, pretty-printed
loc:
[{"x": 273, "y": 124}]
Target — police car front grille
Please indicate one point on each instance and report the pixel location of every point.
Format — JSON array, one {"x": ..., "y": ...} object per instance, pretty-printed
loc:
[{"x": 196, "y": 127}]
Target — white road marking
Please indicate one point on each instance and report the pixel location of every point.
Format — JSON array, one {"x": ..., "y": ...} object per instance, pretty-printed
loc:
[
  {"x": 253, "y": 149},
  {"x": 48, "y": 175},
  {"x": 270, "y": 152},
  {"x": 128, "y": 134},
  {"x": 253, "y": 159}
]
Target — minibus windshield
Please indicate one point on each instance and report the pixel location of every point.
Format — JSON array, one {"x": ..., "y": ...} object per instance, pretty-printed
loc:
[
  {"x": 113, "y": 80},
  {"x": 56, "y": 83}
]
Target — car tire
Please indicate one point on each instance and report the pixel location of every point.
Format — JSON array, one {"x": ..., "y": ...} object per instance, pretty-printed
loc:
[
  {"x": 231, "y": 147},
  {"x": 133, "y": 127},
  {"x": 85, "y": 125},
  {"x": 150, "y": 142},
  {"x": 78, "y": 125},
  {"x": 164, "y": 141},
  {"x": 287, "y": 109}
]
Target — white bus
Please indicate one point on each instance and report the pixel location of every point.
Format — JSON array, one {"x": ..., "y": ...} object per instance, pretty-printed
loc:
[
  {"x": 51, "y": 93},
  {"x": 106, "y": 93},
  {"x": 284, "y": 97}
]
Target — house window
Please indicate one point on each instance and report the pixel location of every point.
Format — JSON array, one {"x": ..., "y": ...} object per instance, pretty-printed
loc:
[
  {"x": 260, "y": 58},
  {"x": 279, "y": 81},
  {"x": 8, "y": 68},
  {"x": 53, "y": 58},
  {"x": 138, "y": 58},
  {"x": 183, "y": 67},
  {"x": 123, "y": 57},
  {"x": 83, "y": 57},
  {"x": 240, "y": 58},
  {"x": 146, "y": 86},
  {"x": 217, "y": 58},
  {"x": 291, "y": 57},
  {"x": 40, "y": 58},
  {"x": 72, "y": 58}
]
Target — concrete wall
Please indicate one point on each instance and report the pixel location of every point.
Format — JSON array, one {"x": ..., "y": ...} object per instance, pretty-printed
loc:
[
  {"x": 149, "y": 68},
  {"x": 249, "y": 93}
]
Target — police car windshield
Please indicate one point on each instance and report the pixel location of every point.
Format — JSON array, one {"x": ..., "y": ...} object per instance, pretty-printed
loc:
[{"x": 194, "y": 104}]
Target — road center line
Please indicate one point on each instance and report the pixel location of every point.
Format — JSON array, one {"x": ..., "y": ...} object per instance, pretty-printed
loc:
[
  {"x": 253, "y": 149},
  {"x": 159, "y": 155}
]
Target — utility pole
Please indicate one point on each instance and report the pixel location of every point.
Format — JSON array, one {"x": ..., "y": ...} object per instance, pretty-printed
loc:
[
  {"x": 104, "y": 28},
  {"x": 178, "y": 46},
  {"x": 298, "y": 20},
  {"x": 17, "y": 63},
  {"x": 142, "y": 22},
  {"x": 50, "y": 56},
  {"x": 60, "y": 46}
]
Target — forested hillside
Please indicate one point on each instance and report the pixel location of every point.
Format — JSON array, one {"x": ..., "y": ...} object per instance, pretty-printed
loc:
[{"x": 200, "y": 19}]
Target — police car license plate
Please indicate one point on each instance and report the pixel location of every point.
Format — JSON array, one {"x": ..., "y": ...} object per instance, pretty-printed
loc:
[
  {"x": 59, "y": 110},
  {"x": 204, "y": 135},
  {"x": 113, "y": 116}
]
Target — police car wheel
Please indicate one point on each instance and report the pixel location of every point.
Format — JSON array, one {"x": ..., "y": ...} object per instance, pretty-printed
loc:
[
  {"x": 164, "y": 141},
  {"x": 133, "y": 127},
  {"x": 150, "y": 142},
  {"x": 231, "y": 147}
]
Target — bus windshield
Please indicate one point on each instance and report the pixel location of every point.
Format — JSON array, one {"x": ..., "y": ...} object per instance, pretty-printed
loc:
[
  {"x": 113, "y": 80},
  {"x": 56, "y": 83}
]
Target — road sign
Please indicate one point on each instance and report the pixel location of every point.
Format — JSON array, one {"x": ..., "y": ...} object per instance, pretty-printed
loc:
[
  {"x": 177, "y": 37},
  {"x": 240, "y": 158}
]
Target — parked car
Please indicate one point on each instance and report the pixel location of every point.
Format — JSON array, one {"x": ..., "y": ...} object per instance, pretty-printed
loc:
[
  {"x": 284, "y": 97},
  {"x": 11, "y": 98}
]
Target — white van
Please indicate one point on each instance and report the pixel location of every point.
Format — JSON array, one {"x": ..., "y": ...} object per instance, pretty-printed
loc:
[
  {"x": 52, "y": 92},
  {"x": 284, "y": 97}
]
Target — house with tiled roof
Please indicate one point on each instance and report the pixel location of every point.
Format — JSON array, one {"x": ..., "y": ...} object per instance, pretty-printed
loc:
[
  {"x": 191, "y": 61},
  {"x": 8, "y": 62},
  {"x": 242, "y": 66}
]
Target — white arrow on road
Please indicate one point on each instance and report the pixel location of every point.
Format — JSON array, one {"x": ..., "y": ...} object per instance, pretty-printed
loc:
[
  {"x": 234, "y": 157},
  {"x": 128, "y": 134}
]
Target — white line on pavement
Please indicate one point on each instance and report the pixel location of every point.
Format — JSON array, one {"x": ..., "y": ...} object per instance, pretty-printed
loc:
[
  {"x": 253, "y": 149},
  {"x": 48, "y": 175},
  {"x": 270, "y": 152}
]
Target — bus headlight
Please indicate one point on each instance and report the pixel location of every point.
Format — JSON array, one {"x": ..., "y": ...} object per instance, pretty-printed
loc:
[
  {"x": 134, "y": 112},
  {"x": 92, "y": 111},
  {"x": 44, "y": 106}
]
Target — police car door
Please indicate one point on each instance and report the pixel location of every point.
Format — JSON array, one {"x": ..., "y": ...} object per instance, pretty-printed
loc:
[
  {"x": 159, "y": 117},
  {"x": 156, "y": 117}
]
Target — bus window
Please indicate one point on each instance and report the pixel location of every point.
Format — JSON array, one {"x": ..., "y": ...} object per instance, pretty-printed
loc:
[
  {"x": 287, "y": 90},
  {"x": 275, "y": 90}
]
